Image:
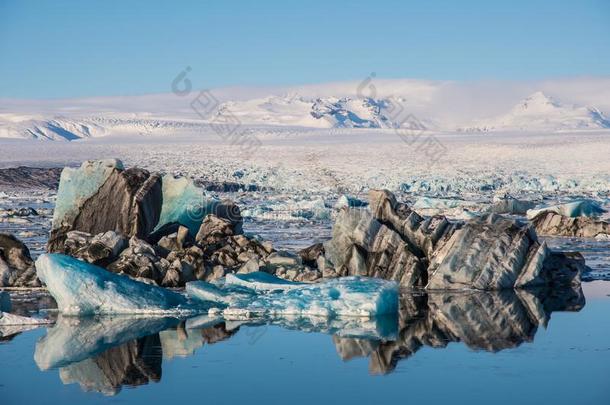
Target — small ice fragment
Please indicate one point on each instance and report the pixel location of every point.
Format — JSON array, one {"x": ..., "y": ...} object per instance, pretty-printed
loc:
[
  {"x": 7, "y": 319},
  {"x": 260, "y": 281}
]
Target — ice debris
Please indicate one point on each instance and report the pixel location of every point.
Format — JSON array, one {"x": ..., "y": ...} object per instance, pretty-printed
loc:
[
  {"x": 348, "y": 201},
  {"x": 259, "y": 294}
]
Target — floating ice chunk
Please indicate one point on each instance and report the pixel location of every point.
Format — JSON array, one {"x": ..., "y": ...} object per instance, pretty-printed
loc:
[
  {"x": 443, "y": 203},
  {"x": 259, "y": 281},
  {"x": 185, "y": 203},
  {"x": 346, "y": 201},
  {"x": 82, "y": 288},
  {"x": 347, "y": 296},
  {"x": 290, "y": 210},
  {"x": 7, "y": 319},
  {"x": 579, "y": 208},
  {"x": 78, "y": 184},
  {"x": 215, "y": 294}
]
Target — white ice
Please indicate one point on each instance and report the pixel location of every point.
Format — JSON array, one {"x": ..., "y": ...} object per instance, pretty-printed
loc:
[{"x": 7, "y": 319}]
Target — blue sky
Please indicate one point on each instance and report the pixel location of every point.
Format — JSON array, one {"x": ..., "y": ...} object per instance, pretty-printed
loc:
[{"x": 76, "y": 48}]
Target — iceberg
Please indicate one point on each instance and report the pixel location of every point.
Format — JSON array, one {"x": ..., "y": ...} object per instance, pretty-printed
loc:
[
  {"x": 438, "y": 203},
  {"x": 184, "y": 203},
  {"x": 7, "y": 319},
  {"x": 346, "y": 201},
  {"x": 81, "y": 288},
  {"x": 574, "y": 209},
  {"x": 78, "y": 184},
  {"x": 258, "y": 294},
  {"x": 290, "y": 209}
]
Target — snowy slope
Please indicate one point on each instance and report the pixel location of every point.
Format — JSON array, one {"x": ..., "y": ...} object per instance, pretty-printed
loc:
[
  {"x": 53, "y": 128},
  {"x": 542, "y": 113}
]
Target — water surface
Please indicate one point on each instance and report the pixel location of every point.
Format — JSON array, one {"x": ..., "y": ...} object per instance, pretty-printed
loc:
[{"x": 509, "y": 347}]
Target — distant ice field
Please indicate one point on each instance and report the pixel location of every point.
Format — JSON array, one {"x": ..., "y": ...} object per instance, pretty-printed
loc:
[{"x": 334, "y": 161}]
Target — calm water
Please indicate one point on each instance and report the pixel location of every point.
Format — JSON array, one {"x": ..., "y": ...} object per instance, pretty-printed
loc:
[{"x": 541, "y": 347}]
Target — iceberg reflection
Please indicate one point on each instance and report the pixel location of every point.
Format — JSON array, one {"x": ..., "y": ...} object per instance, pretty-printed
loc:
[
  {"x": 104, "y": 353},
  {"x": 482, "y": 320}
]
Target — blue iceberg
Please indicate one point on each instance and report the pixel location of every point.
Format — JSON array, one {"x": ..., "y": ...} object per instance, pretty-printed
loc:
[
  {"x": 578, "y": 208},
  {"x": 259, "y": 294},
  {"x": 184, "y": 203},
  {"x": 81, "y": 289}
]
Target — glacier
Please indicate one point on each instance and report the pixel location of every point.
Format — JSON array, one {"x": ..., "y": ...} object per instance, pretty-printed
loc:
[
  {"x": 260, "y": 294},
  {"x": 83, "y": 289}
]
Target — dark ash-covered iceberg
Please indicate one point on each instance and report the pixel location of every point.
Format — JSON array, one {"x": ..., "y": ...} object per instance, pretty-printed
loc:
[{"x": 491, "y": 252}]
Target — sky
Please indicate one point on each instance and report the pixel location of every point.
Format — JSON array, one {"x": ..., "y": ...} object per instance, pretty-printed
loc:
[{"x": 66, "y": 48}]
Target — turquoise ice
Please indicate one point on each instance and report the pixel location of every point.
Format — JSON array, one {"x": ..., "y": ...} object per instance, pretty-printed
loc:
[
  {"x": 83, "y": 289},
  {"x": 573, "y": 209},
  {"x": 184, "y": 203},
  {"x": 260, "y": 294}
]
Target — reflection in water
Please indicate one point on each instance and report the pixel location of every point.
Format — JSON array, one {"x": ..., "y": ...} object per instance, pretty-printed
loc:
[
  {"x": 103, "y": 354},
  {"x": 133, "y": 363},
  {"x": 489, "y": 321}
]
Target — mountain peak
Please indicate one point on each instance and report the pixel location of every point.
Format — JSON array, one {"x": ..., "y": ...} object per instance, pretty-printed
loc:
[{"x": 538, "y": 101}]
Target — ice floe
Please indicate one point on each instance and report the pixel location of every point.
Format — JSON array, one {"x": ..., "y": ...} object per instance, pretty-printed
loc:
[{"x": 257, "y": 295}]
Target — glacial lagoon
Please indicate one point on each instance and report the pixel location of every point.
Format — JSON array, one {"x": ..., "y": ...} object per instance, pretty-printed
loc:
[{"x": 443, "y": 347}]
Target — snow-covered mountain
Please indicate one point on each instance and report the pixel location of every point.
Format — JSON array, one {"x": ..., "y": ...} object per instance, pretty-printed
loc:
[
  {"x": 372, "y": 104},
  {"x": 68, "y": 129},
  {"x": 321, "y": 112},
  {"x": 52, "y": 128},
  {"x": 539, "y": 112},
  {"x": 347, "y": 112}
]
